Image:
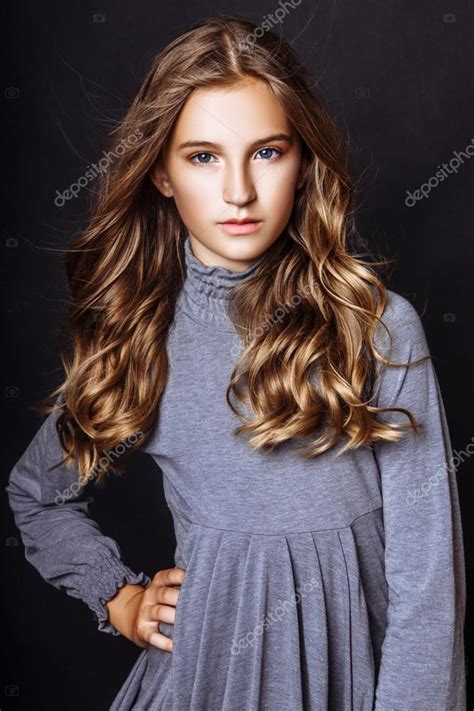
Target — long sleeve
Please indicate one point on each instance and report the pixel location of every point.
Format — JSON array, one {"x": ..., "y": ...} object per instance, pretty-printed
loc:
[
  {"x": 422, "y": 663},
  {"x": 62, "y": 541}
]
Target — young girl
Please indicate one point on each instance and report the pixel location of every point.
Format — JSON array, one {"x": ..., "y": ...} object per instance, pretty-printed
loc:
[{"x": 221, "y": 323}]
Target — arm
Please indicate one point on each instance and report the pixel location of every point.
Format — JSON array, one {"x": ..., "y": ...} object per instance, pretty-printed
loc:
[
  {"x": 63, "y": 543},
  {"x": 422, "y": 662}
]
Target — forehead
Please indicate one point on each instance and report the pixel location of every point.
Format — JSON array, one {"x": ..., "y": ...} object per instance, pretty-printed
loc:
[{"x": 236, "y": 114}]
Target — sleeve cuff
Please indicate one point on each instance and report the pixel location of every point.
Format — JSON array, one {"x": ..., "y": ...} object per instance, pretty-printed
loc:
[{"x": 111, "y": 575}]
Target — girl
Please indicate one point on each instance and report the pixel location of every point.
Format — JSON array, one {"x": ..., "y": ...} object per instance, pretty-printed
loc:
[{"x": 221, "y": 323}]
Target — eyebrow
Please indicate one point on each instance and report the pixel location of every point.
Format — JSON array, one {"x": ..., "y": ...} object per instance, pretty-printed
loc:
[{"x": 210, "y": 144}]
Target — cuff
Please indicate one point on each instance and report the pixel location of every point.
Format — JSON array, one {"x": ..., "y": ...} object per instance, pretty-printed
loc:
[{"x": 111, "y": 575}]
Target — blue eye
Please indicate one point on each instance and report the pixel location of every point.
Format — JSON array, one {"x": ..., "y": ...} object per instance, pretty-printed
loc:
[
  {"x": 198, "y": 155},
  {"x": 262, "y": 150},
  {"x": 270, "y": 149}
]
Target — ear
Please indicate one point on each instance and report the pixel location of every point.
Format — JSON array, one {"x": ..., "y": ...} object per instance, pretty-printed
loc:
[{"x": 160, "y": 179}]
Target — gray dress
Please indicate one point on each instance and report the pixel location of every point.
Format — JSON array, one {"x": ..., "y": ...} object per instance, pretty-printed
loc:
[{"x": 332, "y": 583}]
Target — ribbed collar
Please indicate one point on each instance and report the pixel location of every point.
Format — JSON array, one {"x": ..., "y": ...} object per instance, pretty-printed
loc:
[{"x": 206, "y": 289}]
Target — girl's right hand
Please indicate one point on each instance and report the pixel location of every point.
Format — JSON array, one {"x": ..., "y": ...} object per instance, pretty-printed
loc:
[{"x": 154, "y": 604}]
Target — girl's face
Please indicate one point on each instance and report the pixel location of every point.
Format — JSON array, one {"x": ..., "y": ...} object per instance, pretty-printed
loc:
[{"x": 233, "y": 154}]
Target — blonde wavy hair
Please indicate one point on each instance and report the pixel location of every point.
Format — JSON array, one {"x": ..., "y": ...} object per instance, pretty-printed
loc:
[{"x": 125, "y": 271}]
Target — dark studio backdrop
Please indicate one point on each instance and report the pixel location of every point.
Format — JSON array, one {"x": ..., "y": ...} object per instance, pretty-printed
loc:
[{"x": 398, "y": 80}]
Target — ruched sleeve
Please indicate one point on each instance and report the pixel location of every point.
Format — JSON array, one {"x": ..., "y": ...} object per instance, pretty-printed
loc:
[
  {"x": 61, "y": 540},
  {"x": 422, "y": 663}
]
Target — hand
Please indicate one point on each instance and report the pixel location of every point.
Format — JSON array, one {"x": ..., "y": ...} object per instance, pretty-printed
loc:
[{"x": 153, "y": 604}]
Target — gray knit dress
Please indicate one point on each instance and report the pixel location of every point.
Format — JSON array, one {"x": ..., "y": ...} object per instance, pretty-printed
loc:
[{"x": 325, "y": 584}]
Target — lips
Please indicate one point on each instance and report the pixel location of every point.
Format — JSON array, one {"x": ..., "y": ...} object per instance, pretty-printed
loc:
[
  {"x": 242, "y": 227},
  {"x": 242, "y": 221}
]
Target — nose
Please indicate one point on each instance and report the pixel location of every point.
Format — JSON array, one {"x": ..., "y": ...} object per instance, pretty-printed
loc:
[{"x": 239, "y": 188}]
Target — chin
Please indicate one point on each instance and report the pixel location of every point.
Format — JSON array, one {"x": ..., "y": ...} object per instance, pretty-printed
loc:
[{"x": 235, "y": 248}]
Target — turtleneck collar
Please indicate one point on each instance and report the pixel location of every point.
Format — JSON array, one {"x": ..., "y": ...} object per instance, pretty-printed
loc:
[{"x": 206, "y": 289}]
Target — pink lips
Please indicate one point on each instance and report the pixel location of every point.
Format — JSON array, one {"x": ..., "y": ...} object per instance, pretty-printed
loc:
[{"x": 245, "y": 228}]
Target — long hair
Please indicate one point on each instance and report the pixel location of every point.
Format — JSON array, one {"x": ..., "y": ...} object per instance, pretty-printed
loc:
[{"x": 309, "y": 373}]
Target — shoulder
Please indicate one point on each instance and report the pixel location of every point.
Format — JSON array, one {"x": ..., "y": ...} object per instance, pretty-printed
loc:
[{"x": 405, "y": 326}]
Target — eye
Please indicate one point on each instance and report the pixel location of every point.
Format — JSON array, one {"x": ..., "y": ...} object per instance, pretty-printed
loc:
[
  {"x": 206, "y": 162},
  {"x": 199, "y": 155},
  {"x": 270, "y": 149}
]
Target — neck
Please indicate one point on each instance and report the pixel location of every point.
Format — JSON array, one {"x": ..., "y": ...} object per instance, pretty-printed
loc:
[{"x": 206, "y": 289}]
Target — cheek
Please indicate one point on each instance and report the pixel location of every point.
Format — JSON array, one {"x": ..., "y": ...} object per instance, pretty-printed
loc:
[
  {"x": 194, "y": 197},
  {"x": 194, "y": 185},
  {"x": 282, "y": 173},
  {"x": 277, "y": 188}
]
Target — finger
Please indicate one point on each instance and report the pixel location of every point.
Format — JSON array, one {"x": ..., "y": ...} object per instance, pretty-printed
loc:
[
  {"x": 163, "y": 580},
  {"x": 168, "y": 595},
  {"x": 161, "y": 594},
  {"x": 161, "y": 641},
  {"x": 173, "y": 576},
  {"x": 161, "y": 613}
]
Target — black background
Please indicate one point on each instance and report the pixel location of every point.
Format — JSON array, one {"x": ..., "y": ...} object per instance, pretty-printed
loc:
[{"x": 398, "y": 80}]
